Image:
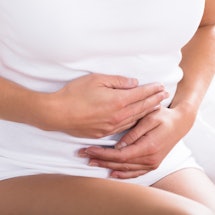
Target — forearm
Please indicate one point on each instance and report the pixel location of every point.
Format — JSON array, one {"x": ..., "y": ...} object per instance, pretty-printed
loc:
[
  {"x": 198, "y": 65},
  {"x": 80, "y": 107},
  {"x": 19, "y": 104}
]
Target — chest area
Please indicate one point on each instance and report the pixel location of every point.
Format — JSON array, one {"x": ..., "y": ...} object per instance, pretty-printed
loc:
[{"x": 70, "y": 28}]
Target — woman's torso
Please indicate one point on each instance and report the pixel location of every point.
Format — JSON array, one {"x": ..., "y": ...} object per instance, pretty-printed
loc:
[
  {"x": 44, "y": 44},
  {"x": 48, "y": 42}
]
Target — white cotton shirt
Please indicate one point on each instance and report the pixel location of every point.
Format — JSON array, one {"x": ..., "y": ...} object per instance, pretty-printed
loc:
[{"x": 44, "y": 44}]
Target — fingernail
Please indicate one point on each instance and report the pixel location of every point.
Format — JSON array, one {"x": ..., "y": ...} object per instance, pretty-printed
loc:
[
  {"x": 90, "y": 152},
  {"x": 157, "y": 107},
  {"x": 166, "y": 94},
  {"x": 82, "y": 153},
  {"x": 161, "y": 87},
  {"x": 93, "y": 163},
  {"x": 133, "y": 81},
  {"x": 121, "y": 145}
]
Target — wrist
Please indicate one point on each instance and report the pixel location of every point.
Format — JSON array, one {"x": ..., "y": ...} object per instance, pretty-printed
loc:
[
  {"x": 20, "y": 104},
  {"x": 44, "y": 111}
]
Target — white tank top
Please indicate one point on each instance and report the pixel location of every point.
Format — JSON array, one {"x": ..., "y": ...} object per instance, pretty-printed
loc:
[{"x": 44, "y": 44}]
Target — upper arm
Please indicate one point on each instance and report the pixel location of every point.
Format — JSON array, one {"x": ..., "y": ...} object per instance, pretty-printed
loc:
[{"x": 209, "y": 13}]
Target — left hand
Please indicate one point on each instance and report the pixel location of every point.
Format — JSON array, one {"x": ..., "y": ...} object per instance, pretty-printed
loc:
[{"x": 144, "y": 147}]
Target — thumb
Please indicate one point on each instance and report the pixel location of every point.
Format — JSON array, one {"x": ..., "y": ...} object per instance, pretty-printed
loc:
[{"x": 120, "y": 82}]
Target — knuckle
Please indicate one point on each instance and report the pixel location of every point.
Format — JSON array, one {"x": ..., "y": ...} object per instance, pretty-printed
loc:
[
  {"x": 109, "y": 128},
  {"x": 154, "y": 166},
  {"x": 152, "y": 119},
  {"x": 152, "y": 147},
  {"x": 153, "y": 162},
  {"x": 144, "y": 104},
  {"x": 98, "y": 135},
  {"x": 152, "y": 101},
  {"x": 132, "y": 136},
  {"x": 115, "y": 119},
  {"x": 122, "y": 158},
  {"x": 119, "y": 102},
  {"x": 142, "y": 172},
  {"x": 103, "y": 132},
  {"x": 132, "y": 112},
  {"x": 120, "y": 80}
]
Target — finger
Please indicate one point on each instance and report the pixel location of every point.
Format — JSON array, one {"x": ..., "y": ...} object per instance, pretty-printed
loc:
[
  {"x": 128, "y": 174},
  {"x": 144, "y": 146},
  {"x": 140, "y": 93},
  {"x": 100, "y": 153},
  {"x": 119, "y": 82},
  {"x": 135, "y": 111},
  {"x": 123, "y": 127},
  {"x": 144, "y": 125},
  {"x": 118, "y": 166},
  {"x": 122, "y": 155},
  {"x": 149, "y": 162}
]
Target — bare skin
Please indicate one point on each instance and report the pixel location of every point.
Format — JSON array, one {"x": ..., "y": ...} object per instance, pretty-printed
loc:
[
  {"x": 191, "y": 183},
  {"x": 144, "y": 147},
  {"x": 69, "y": 195},
  {"x": 80, "y": 107}
]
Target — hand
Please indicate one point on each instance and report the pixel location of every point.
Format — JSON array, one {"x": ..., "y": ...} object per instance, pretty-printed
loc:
[
  {"x": 144, "y": 147},
  {"x": 99, "y": 105}
]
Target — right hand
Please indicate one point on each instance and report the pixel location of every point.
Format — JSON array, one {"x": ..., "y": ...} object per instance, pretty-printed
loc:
[{"x": 98, "y": 105}]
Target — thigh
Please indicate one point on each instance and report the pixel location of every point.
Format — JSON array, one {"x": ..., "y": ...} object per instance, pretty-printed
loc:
[
  {"x": 191, "y": 183},
  {"x": 67, "y": 195}
]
